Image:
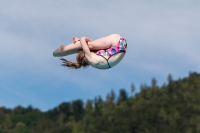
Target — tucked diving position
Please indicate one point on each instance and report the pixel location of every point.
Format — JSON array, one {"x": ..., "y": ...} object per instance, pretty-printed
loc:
[{"x": 103, "y": 53}]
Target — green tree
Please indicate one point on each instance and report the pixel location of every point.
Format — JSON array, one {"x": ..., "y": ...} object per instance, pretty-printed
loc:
[
  {"x": 88, "y": 107},
  {"x": 122, "y": 95},
  {"x": 78, "y": 110}
]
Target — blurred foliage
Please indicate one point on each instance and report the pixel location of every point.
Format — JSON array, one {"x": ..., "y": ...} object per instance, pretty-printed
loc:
[{"x": 171, "y": 108}]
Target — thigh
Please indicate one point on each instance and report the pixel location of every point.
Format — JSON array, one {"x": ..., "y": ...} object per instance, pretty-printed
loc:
[
  {"x": 104, "y": 42},
  {"x": 101, "y": 43}
]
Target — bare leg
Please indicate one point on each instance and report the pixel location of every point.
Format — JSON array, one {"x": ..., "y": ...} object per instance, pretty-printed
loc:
[
  {"x": 102, "y": 43},
  {"x": 67, "y": 50}
]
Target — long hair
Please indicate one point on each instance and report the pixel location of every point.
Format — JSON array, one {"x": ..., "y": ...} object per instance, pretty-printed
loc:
[{"x": 81, "y": 61}]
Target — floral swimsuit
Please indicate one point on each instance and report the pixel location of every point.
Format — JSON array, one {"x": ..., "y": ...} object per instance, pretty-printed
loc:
[{"x": 121, "y": 47}]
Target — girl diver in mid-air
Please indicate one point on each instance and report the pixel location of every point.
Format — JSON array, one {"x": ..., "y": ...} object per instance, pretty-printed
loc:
[{"x": 103, "y": 53}]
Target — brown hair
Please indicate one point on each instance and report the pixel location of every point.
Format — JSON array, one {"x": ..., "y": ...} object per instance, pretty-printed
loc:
[{"x": 81, "y": 61}]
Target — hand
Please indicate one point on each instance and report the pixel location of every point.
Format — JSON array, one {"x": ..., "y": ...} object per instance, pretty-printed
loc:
[{"x": 86, "y": 39}]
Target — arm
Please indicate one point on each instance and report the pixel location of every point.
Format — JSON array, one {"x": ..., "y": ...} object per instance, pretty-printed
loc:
[{"x": 86, "y": 49}]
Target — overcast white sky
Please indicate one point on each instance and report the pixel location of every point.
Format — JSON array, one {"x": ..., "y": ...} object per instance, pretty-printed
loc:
[{"x": 163, "y": 38}]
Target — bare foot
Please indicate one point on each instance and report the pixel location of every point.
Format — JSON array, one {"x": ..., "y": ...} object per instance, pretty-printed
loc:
[
  {"x": 75, "y": 39},
  {"x": 58, "y": 52}
]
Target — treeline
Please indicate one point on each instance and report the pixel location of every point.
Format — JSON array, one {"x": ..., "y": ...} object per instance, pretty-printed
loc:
[{"x": 171, "y": 108}]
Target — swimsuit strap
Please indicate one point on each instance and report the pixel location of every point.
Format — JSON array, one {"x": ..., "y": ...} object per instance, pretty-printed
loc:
[{"x": 108, "y": 64}]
